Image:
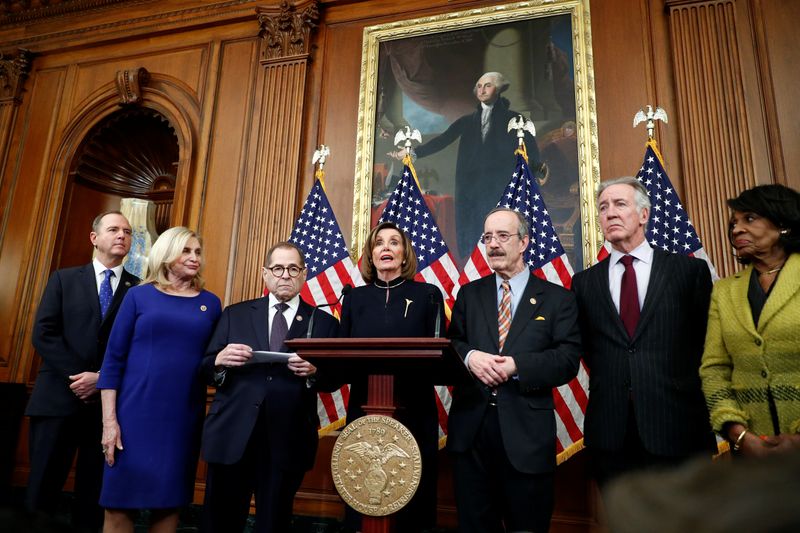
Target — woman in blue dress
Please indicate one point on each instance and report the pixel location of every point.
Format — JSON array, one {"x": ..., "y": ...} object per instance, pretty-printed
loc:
[{"x": 152, "y": 397}]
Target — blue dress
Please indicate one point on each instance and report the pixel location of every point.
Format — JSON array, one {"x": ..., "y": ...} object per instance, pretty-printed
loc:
[{"x": 152, "y": 360}]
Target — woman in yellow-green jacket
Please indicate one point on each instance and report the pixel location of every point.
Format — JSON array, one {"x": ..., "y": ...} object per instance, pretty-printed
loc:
[{"x": 751, "y": 363}]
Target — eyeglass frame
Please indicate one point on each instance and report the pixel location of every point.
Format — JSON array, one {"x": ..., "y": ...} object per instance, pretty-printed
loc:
[
  {"x": 502, "y": 237},
  {"x": 287, "y": 269}
]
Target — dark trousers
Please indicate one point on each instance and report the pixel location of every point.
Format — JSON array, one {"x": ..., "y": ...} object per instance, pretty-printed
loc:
[
  {"x": 54, "y": 442},
  {"x": 607, "y": 465},
  {"x": 493, "y": 496},
  {"x": 229, "y": 488}
]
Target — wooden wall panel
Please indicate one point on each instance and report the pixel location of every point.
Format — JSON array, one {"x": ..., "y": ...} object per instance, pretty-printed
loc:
[
  {"x": 25, "y": 240},
  {"x": 229, "y": 122},
  {"x": 779, "y": 53}
]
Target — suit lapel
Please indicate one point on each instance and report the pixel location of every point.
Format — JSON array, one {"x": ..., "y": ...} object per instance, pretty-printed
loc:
[
  {"x": 601, "y": 273},
  {"x": 126, "y": 281},
  {"x": 528, "y": 305},
  {"x": 299, "y": 325},
  {"x": 737, "y": 299},
  {"x": 655, "y": 287},
  {"x": 260, "y": 322},
  {"x": 787, "y": 285},
  {"x": 488, "y": 293},
  {"x": 90, "y": 289}
]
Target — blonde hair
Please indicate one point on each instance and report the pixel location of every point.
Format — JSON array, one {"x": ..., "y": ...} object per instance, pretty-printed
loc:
[{"x": 167, "y": 248}]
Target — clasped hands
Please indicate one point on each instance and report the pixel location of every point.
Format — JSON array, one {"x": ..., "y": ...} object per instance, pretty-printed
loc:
[
  {"x": 234, "y": 355},
  {"x": 84, "y": 385},
  {"x": 491, "y": 369}
]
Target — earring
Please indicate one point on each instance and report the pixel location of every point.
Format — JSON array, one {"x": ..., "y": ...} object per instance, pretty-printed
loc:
[{"x": 784, "y": 231}]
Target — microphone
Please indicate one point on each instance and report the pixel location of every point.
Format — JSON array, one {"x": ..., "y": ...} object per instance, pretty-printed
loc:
[
  {"x": 345, "y": 290},
  {"x": 438, "y": 324}
]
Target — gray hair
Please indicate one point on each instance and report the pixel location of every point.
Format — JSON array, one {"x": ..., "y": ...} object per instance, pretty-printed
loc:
[
  {"x": 639, "y": 192},
  {"x": 499, "y": 80},
  {"x": 99, "y": 218},
  {"x": 522, "y": 226}
]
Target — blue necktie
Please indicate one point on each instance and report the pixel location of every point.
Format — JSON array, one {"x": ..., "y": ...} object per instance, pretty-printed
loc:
[{"x": 106, "y": 294}]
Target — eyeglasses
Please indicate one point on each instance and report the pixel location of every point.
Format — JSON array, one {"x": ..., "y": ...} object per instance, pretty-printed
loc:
[
  {"x": 502, "y": 237},
  {"x": 278, "y": 270}
]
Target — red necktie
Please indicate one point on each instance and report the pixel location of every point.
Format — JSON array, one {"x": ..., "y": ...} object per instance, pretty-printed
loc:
[{"x": 629, "y": 297}]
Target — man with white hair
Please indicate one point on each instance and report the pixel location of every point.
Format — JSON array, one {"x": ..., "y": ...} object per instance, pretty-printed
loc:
[
  {"x": 643, "y": 315},
  {"x": 485, "y": 157}
]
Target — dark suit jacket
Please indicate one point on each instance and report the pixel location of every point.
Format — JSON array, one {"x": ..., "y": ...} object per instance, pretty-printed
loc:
[
  {"x": 483, "y": 166},
  {"x": 291, "y": 404},
  {"x": 658, "y": 368},
  {"x": 545, "y": 343},
  {"x": 70, "y": 336}
]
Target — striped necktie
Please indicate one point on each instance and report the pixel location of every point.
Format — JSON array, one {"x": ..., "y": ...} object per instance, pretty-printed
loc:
[{"x": 504, "y": 314}]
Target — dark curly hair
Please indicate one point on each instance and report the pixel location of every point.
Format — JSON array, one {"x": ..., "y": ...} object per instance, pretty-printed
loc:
[{"x": 778, "y": 204}]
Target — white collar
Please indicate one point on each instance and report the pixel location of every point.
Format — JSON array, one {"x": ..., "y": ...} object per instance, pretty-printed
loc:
[
  {"x": 643, "y": 252},
  {"x": 99, "y": 268},
  {"x": 293, "y": 303}
]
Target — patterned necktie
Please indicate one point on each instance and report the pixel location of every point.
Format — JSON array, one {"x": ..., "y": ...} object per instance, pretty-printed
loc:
[
  {"x": 485, "y": 116},
  {"x": 279, "y": 329},
  {"x": 106, "y": 294},
  {"x": 504, "y": 314},
  {"x": 629, "y": 297}
]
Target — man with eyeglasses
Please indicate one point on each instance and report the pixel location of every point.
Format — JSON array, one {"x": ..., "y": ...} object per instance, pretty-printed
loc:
[
  {"x": 519, "y": 337},
  {"x": 260, "y": 435}
]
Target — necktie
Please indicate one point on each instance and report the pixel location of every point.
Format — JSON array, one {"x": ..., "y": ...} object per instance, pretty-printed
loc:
[
  {"x": 106, "y": 294},
  {"x": 629, "y": 297},
  {"x": 485, "y": 116},
  {"x": 504, "y": 314},
  {"x": 279, "y": 329}
]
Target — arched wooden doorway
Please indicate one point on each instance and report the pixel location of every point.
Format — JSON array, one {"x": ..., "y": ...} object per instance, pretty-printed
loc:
[{"x": 131, "y": 153}]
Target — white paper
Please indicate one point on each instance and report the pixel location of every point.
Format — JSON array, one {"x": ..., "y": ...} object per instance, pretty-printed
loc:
[{"x": 260, "y": 356}]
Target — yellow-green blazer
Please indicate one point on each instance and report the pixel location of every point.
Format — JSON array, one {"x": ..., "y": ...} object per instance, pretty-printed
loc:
[{"x": 742, "y": 362}]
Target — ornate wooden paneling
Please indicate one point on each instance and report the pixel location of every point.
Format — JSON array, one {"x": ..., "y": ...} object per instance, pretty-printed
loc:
[
  {"x": 269, "y": 191},
  {"x": 709, "y": 40}
]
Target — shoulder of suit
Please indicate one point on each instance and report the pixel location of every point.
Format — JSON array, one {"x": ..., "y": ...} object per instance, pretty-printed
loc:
[
  {"x": 547, "y": 286},
  {"x": 247, "y": 304},
  {"x": 477, "y": 283}
]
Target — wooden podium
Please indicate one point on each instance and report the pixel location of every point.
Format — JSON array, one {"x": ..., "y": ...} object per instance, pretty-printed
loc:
[{"x": 433, "y": 359}]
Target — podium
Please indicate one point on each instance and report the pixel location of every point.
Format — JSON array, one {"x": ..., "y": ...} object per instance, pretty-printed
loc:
[{"x": 381, "y": 359}]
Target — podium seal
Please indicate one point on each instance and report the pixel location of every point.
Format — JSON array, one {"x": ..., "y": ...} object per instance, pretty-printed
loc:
[{"x": 376, "y": 465}]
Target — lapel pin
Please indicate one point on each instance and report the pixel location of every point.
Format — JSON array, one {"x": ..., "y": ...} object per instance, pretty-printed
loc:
[
  {"x": 299, "y": 318},
  {"x": 533, "y": 301},
  {"x": 127, "y": 283},
  {"x": 408, "y": 303},
  {"x": 203, "y": 308}
]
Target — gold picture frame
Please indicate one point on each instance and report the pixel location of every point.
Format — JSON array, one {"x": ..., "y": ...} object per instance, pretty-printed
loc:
[{"x": 448, "y": 45}]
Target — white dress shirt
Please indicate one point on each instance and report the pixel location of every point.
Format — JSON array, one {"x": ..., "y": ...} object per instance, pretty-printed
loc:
[
  {"x": 642, "y": 264},
  {"x": 99, "y": 268}
]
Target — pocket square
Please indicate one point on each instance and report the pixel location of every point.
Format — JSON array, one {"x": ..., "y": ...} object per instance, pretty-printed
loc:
[{"x": 540, "y": 317}]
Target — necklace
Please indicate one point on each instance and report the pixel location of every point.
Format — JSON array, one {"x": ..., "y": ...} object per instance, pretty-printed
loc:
[
  {"x": 378, "y": 283},
  {"x": 768, "y": 272}
]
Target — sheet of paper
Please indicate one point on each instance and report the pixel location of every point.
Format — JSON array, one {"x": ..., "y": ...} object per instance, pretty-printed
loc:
[{"x": 260, "y": 356}]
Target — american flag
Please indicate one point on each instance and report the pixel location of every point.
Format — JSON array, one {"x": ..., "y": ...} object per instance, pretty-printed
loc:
[
  {"x": 669, "y": 227},
  {"x": 546, "y": 259},
  {"x": 406, "y": 207},
  {"x": 318, "y": 235}
]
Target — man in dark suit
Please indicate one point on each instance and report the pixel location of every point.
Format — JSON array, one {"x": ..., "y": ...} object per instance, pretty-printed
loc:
[
  {"x": 643, "y": 315},
  {"x": 519, "y": 338},
  {"x": 70, "y": 334},
  {"x": 485, "y": 155},
  {"x": 261, "y": 431}
]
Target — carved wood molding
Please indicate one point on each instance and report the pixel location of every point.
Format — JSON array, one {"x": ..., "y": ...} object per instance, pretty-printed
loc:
[
  {"x": 14, "y": 70},
  {"x": 130, "y": 83},
  {"x": 16, "y": 11},
  {"x": 286, "y": 31},
  {"x": 714, "y": 132}
]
